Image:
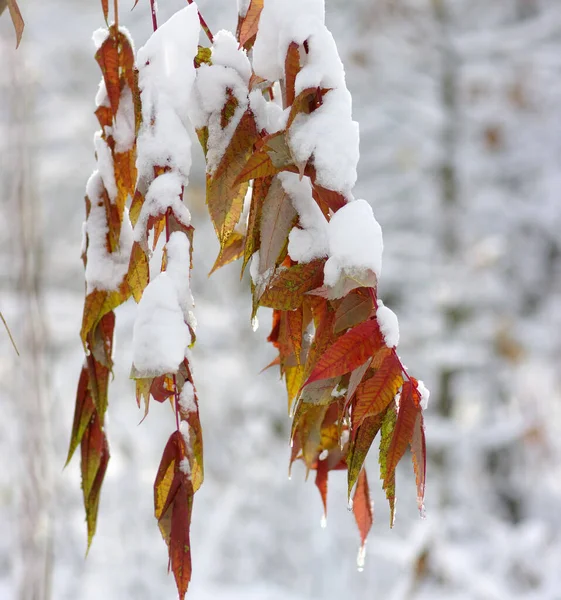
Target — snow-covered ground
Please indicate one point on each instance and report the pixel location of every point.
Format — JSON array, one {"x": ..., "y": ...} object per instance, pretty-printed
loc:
[{"x": 460, "y": 116}]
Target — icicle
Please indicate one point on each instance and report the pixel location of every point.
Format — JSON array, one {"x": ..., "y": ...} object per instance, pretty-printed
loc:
[
  {"x": 361, "y": 557},
  {"x": 323, "y": 521},
  {"x": 255, "y": 323},
  {"x": 422, "y": 511},
  {"x": 350, "y": 505}
]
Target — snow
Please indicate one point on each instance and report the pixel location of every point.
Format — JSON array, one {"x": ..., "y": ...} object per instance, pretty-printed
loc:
[
  {"x": 166, "y": 78},
  {"x": 184, "y": 429},
  {"x": 160, "y": 334},
  {"x": 355, "y": 244},
  {"x": 101, "y": 98},
  {"x": 243, "y": 6},
  {"x": 99, "y": 36},
  {"x": 230, "y": 70},
  {"x": 328, "y": 134},
  {"x": 310, "y": 241},
  {"x": 185, "y": 467},
  {"x": 105, "y": 165},
  {"x": 268, "y": 115},
  {"x": 104, "y": 270},
  {"x": 166, "y": 191},
  {"x": 124, "y": 124},
  {"x": 187, "y": 398},
  {"x": 275, "y": 33},
  {"x": 425, "y": 394},
  {"x": 389, "y": 325},
  {"x": 178, "y": 263}
]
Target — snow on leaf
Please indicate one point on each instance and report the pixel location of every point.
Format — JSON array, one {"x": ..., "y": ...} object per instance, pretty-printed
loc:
[
  {"x": 374, "y": 394},
  {"x": 349, "y": 351},
  {"x": 288, "y": 286},
  {"x": 362, "y": 506}
]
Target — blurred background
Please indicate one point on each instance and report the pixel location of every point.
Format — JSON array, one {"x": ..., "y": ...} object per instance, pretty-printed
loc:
[{"x": 459, "y": 105}]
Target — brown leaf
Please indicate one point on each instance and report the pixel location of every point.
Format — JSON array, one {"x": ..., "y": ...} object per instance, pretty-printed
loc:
[
  {"x": 105, "y": 8},
  {"x": 362, "y": 507}
]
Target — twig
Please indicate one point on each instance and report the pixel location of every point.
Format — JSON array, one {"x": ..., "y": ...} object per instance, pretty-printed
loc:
[{"x": 9, "y": 333}]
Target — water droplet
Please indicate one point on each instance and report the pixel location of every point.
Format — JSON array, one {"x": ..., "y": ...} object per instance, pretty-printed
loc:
[
  {"x": 323, "y": 521},
  {"x": 289, "y": 477},
  {"x": 292, "y": 442},
  {"x": 422, "y": 511},
  {"x": 350, "y": 504},
  {"x": 255, "y": 323},
  {"x": 361, "y": 557}
]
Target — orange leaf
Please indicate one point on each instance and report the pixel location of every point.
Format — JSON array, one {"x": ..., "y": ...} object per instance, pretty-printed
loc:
[
  {"x": 305, "y": 103},
  {"x": 362, "y": 506},
  {"x": 107, "y": 57},
  {"x": 17, "y": 19},
  {"x": 180, "y": 544},
  {"x": 374, "y": 394},
  {"x": 349, "y": 351},
  {"x": 250, "y": 23}
]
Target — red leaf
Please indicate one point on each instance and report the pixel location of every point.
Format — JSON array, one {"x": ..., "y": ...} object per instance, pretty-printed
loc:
[
  {"x": 350, "y": 351},
  {"x": 180, "y": 544},
  {"x": 362, "y": 507}
]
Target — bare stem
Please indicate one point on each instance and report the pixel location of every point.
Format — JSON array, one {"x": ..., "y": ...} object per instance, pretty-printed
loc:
[
  {"x": 204, "y": 25},
  {"x": 116, "y": 11}
]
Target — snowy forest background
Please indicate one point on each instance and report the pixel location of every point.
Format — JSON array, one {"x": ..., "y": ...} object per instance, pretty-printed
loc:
[{"x": 459, "y": 105}]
